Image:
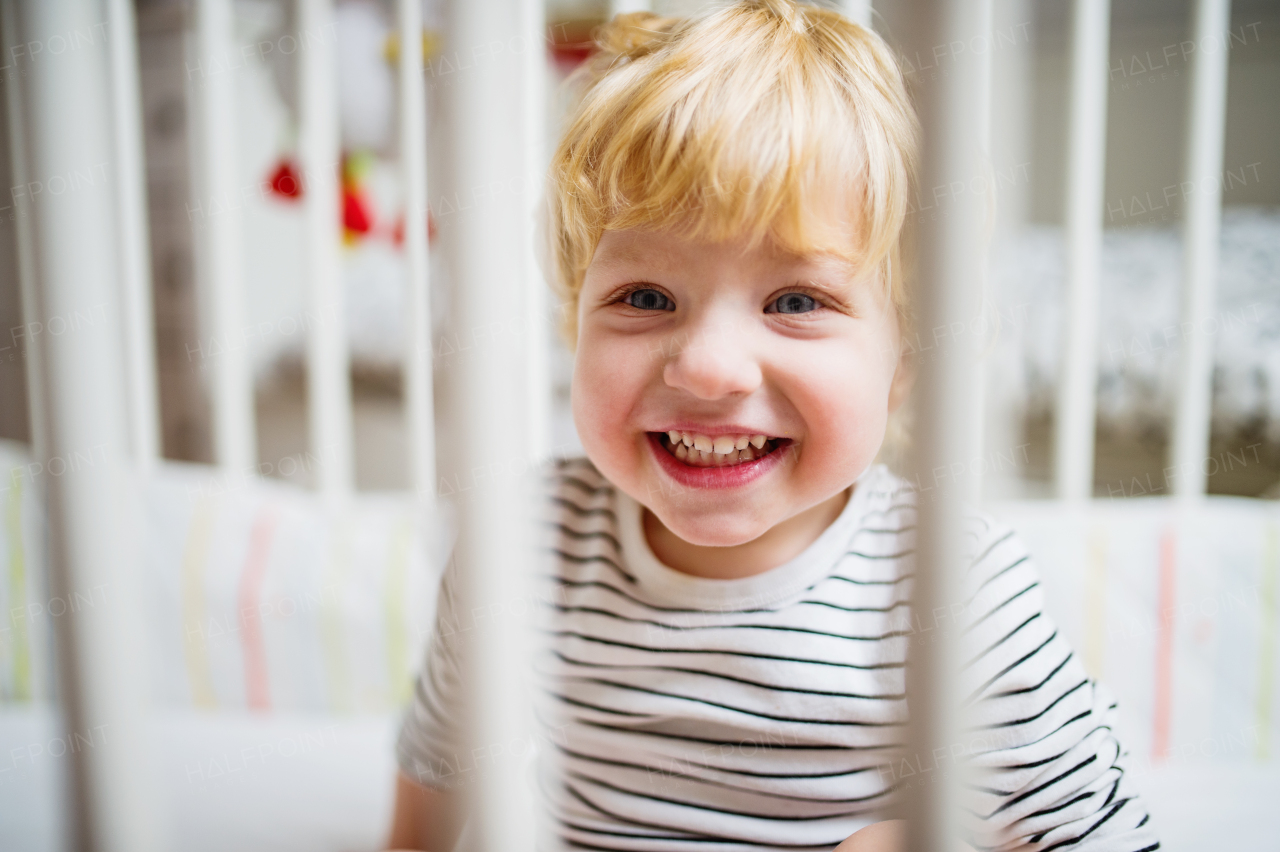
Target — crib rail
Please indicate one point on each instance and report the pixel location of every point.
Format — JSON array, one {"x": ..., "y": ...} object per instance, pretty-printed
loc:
[
  {"x": 490, "y": 134},
  {"x": 955, "y": 122},
  {"x": 218, "y": 244},
  {"x": 100, "y": 387},
  {"x": 418, "y": 381},
  {"x": 79, "y": 404},
  {"x": 328, "y": 363},
  {"x": 1201, "y": 230},
  {"x": 134, "y": 242},
  {"x": 1073, "y": 450}
]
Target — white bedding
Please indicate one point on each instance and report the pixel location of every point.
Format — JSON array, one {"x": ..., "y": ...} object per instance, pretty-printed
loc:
[
  {"x": 225, "y": 782},
  {"x": 1138, "y": 323},
  {"x": 337, "y": 797},
  {"x": 1179, "y": 613}
]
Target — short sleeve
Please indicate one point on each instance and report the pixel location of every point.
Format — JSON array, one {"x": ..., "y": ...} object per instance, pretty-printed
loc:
[
  {"x": 430, "y": 736},
  {"x": 1048, "y": 767},
  {"x": 431, "y": 747}
]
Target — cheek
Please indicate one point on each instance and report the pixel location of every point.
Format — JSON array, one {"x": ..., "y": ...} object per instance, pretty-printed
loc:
[
  {"x": 845, "y": 405},
  {"x": 605, "y": 391}
]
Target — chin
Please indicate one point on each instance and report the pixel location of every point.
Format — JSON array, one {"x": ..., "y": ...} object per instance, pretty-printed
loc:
[{"x": 713, "y": 530}]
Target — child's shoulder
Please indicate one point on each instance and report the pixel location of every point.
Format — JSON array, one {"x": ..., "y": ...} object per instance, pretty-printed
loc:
[
  {"x": 990, "y": 542},
  {"x": 575, "y": 472},
  {"x": 575, "y": 486}
]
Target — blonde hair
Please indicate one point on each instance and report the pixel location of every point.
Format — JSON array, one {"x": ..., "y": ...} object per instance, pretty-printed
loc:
[{"x": 733, "y": 123}]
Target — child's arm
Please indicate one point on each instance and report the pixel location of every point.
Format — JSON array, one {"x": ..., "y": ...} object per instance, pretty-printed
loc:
[
  {"x": 426, "y": 815},
  {"x": 887, "y": 836},
  {"x": 1040, "y": 736},
  {"x": 424, "y": 819}
]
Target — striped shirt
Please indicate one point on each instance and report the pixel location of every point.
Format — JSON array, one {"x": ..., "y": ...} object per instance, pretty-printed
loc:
[{"x": 768, "y": 712}]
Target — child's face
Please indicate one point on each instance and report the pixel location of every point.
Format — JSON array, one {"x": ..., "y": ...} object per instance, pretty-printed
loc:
[{"x": 725, "y": 343}]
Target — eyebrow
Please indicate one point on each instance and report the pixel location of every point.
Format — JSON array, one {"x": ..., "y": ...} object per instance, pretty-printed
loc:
[{"x": 826, "y": 286}]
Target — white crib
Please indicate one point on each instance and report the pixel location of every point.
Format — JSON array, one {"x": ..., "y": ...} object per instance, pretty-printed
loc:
[{"x": 231, "y": 651}]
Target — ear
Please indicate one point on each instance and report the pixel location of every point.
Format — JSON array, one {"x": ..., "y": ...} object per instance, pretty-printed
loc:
[{"x": 904, "y": 377}]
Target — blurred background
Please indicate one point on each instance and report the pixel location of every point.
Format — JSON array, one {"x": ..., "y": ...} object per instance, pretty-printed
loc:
[{"x": 282, "y": 626}]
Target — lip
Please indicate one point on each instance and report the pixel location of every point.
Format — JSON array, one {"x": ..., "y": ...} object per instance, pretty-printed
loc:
[{"x": 713, "y": 478}]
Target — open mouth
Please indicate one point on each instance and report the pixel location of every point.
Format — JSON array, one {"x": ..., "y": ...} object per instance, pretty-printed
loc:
[{"x": 698, "y": 450}]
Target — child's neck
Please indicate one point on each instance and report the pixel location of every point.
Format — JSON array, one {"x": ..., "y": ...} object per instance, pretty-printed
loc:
[{"x": 778, "y": 545}]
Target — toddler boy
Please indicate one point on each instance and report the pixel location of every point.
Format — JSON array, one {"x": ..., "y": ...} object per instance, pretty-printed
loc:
[{"x": 731, "y": 574}]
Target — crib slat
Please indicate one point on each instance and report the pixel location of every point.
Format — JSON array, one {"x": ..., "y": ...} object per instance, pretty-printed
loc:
[
  {"x": 622, "y": 7},
  {"x": 975, "y": 469},
  {"x": 66, "y": 104},
  {"x": 135, "y": 252},
  {"x": 485, "y": 244},
  {"x": 858, "y": 11},
  {"x": 538, "y": 319},
  {"x": 27, "y": 284},
  {"x": 219, "y": 246},
  {"x": 418, "y": 393},
  {"x": 1078, "y": 375},
  {"x": 949, "y": 265},
  {"x": 328, "y": 362},
  {"x": 1202, "y": 222}
]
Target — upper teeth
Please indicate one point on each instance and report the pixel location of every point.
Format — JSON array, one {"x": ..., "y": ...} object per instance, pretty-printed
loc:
[{"x": 720, "y": 445}]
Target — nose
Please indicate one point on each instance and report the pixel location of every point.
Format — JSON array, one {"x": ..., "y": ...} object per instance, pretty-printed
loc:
[{"x": 713, "y": 364}]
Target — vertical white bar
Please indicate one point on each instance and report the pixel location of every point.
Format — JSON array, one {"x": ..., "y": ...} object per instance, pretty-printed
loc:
[
  {"x": 135, "y": 261},
  {"x": 1201, "y": 225},
  {"x": 328, "y": 364},
  {"x": 538, "y": 387},
  {"x": 18, "y": 143},
  {"x": 219, "y": 245},
  {"x": 418, "y": 388},
  {"x": 622, "y": 7},
  {"x": 485, "y": 246},
  {"x": 1011, "y": 125},
  {"x": 949, "y": 264},
  {"x": 1086, "y": 153},
  {"x": 100, "y": 653},
  {"x": 974, "y": 466},
  {"x": 858, "y": 11}
]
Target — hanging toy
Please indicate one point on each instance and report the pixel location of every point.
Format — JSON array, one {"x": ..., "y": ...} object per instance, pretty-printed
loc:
[
  {"x": 357, "y": 208},
  {"x": 571, "y": 43},
  {"x": 284, "y": 180}
]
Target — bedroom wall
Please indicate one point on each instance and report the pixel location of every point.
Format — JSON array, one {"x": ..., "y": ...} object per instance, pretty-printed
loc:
[{"x": 1146, "y": 123}]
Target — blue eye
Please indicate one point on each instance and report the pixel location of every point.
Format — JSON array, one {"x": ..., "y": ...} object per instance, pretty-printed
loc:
[
  {"x": 794, "y": 303},
  {"x": 649, "y": 300}
]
